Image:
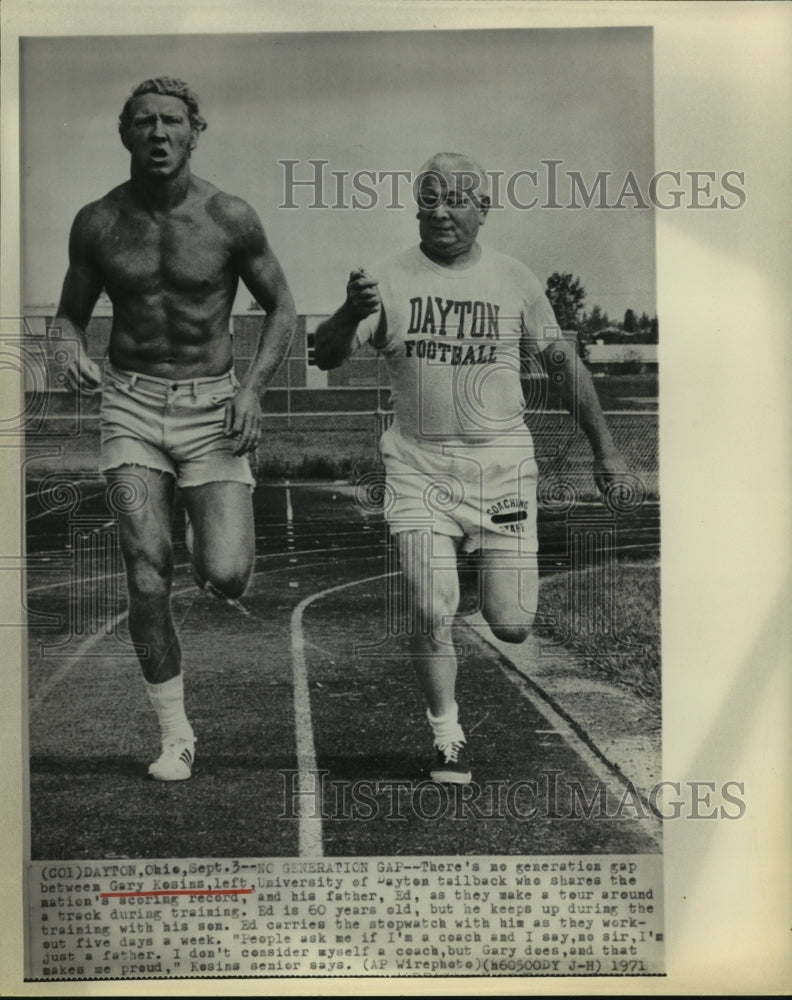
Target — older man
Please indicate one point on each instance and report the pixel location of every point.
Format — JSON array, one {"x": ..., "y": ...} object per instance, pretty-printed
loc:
[
  {"x": 169, "y": 249},
  {"x": 455, "y": 320}
]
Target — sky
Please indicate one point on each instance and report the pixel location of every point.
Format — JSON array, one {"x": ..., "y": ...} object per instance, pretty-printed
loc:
[{"x": 371, "y": 101}]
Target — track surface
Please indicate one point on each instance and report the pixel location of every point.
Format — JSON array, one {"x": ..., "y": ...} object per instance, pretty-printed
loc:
[{"x": 304, "y": 689}]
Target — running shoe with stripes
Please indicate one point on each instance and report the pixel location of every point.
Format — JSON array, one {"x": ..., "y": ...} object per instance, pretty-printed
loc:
[
  {"x": 451, "y": 765},
  {"x": 175, "y": 762}
]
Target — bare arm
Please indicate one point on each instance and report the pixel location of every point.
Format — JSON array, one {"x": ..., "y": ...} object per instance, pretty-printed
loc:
[
  {"x": 335, "y": 337},
  {"x": 81, "y": 288},
  {"x": 260, "y": 271},
  {"x": 263, "y": 277},
  {"x": 577, "y": 391},
  {"x": 579, "y": 395}
]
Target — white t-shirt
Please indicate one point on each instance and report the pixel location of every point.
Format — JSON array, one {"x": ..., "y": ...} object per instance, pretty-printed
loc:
[{"x": 452, "y": 343}]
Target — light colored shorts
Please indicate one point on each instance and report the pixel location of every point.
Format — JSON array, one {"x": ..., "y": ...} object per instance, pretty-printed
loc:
[
  {"x": 173, "y": 426},
  {"x": 484, "y": 495}
]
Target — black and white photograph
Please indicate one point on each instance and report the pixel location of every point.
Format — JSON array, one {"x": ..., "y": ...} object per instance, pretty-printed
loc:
[{"x": 364, "y": 613}]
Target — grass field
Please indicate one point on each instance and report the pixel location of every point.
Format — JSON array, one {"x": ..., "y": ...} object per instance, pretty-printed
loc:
[
  {"x": 624, "y": 650},
  {"x": 320, "y": 447},
  {"x": 323, "y": 451}
]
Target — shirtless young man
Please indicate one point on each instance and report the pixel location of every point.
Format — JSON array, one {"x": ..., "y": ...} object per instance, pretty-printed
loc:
[
  {"x": 169, "y": 249},
  {"x": 454, "y": 320}
]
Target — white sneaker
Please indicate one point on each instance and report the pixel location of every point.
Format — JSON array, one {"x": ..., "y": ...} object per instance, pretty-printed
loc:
[{"x": 175, "y": 762}]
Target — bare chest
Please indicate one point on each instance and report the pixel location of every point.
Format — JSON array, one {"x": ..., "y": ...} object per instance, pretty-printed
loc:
[{"x": 139, "y": 255}]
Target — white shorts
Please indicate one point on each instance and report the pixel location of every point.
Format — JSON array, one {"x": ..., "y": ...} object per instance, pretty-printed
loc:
[
  {"x": 484, "y": 495},
  {"x": 173, "y": 426}
]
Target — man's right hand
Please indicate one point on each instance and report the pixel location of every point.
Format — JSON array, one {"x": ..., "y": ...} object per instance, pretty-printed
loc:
[
  {"x": 363, "y": 298},
  {"x": 82, "y": 374}
]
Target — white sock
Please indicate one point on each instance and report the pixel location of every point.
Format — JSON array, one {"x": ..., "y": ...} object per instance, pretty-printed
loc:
[
  {"x": 168, "y": 702},
  {"x": 446, "y": 727}
]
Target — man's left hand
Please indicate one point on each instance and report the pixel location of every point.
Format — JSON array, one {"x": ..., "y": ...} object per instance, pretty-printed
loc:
[
  {"x": 243, "y": 420},
  {"x": 610, "y": 471}
]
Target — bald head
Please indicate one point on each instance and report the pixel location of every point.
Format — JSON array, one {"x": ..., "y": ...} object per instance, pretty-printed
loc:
[{"x": 455, "y": 171}]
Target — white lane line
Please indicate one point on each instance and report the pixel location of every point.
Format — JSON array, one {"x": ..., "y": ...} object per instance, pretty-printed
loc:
[
  {"x": 87, "y": 644},
  {"x": 310, "y": 825},
  {"x": 596, "y": 765},
  {"x": 289, "y": 511},
  {"x": 293, "y": 584}
]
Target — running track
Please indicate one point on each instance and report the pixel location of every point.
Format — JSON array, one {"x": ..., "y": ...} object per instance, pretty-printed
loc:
[{"x": 303, "y": 682}]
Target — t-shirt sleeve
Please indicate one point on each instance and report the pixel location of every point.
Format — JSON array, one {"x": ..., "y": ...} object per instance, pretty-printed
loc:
[
  {"x": 540, "y": 321},
  {"x": 541, "y": 325}
]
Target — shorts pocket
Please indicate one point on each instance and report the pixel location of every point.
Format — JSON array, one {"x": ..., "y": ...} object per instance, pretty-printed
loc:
[{"x": 112, "y": 385}]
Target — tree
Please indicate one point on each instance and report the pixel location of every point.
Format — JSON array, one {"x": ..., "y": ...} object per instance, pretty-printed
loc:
[
  {"x": 595, "y": 321},
  {"x": 630, "y": 324},
  {"x": 566, "y": 295}
]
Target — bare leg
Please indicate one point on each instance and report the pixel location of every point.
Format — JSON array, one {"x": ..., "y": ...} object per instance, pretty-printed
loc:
[
  {"x": 145, "y": 537},
  {"x": 428, "y": 562},
  {"x": 224, "y": 536},
  {"x": 146, "y": 545},
  {"x": 510, "y": 588}
]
